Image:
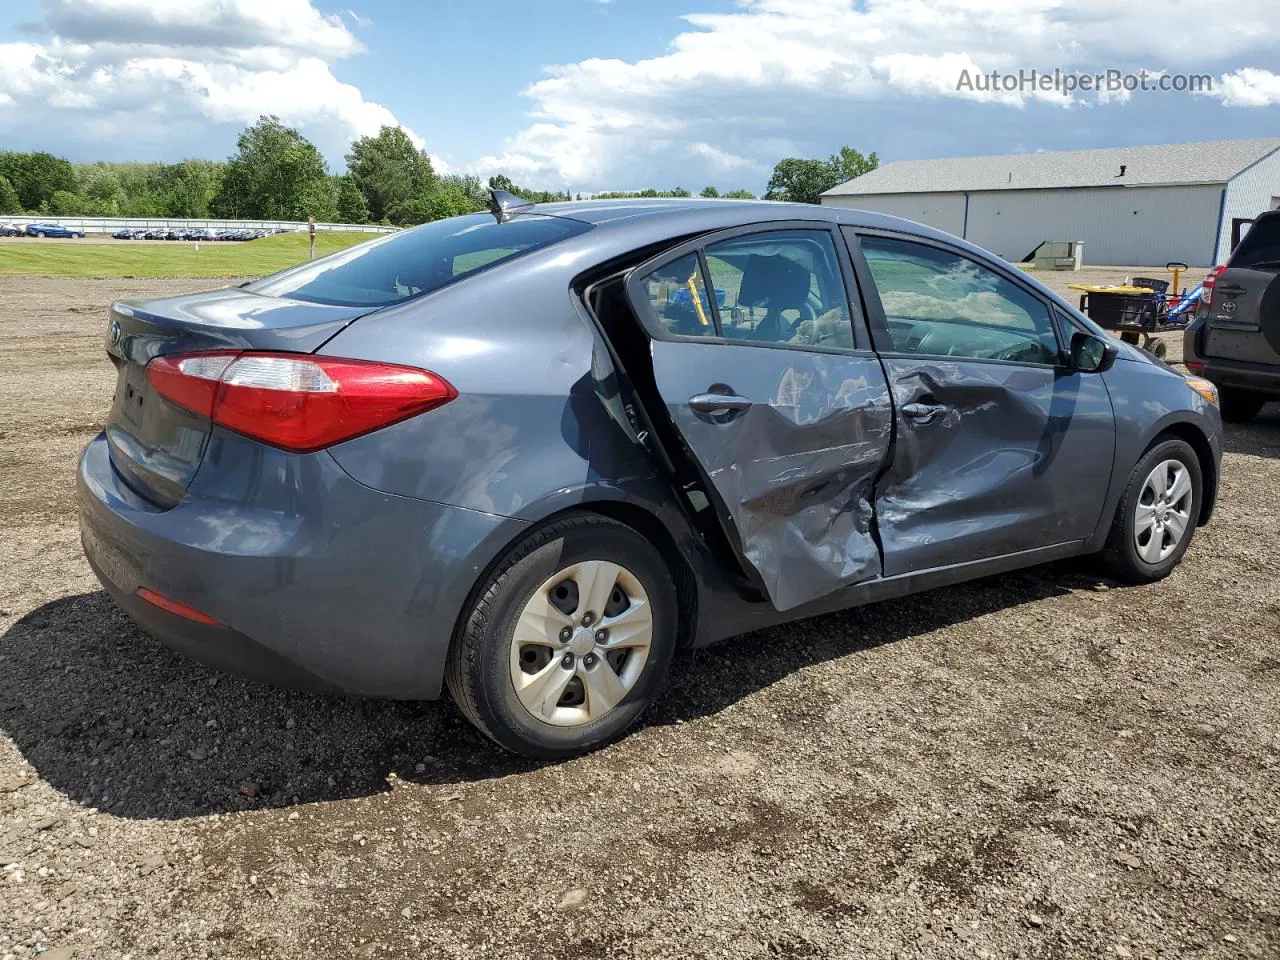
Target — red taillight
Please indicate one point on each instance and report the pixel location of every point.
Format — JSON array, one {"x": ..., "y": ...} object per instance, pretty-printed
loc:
[
  {"x": 1210, "y": 278},
  {"x": 1195, "y": 366},
  {"x": 173, "y": 606},
  {"x": 300, "y": 402}
]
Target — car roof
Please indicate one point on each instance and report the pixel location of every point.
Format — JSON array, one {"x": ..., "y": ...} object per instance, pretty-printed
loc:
[{"x": 677, "y": 216}]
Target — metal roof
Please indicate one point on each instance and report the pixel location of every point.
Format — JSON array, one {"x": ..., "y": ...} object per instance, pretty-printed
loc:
[{"x": 1173, "y": 163}]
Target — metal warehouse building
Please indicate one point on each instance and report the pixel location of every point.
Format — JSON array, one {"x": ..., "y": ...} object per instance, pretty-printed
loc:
[{"x": 1130, "y": 205}]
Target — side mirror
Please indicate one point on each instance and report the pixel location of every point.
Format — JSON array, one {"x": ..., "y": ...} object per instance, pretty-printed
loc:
[{"x": 1090, "y": 354}]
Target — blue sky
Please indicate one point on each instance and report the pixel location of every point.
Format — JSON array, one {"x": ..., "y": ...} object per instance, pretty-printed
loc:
[{"x": 626, "y": 94}]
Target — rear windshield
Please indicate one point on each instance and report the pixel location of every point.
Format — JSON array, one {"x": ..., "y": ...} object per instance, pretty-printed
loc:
[
  {"x": 413, "y": 262},
  {"x": 1260, "y": 247}
]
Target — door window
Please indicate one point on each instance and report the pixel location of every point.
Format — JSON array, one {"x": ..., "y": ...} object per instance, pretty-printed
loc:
[
  {"x": 678, "y": 298},
  {"x": 781, "y": 287},
  {"x": 938, "y": 303}
]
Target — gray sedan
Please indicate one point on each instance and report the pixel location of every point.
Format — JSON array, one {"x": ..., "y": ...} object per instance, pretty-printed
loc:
[{"x": 527, "y": 454}]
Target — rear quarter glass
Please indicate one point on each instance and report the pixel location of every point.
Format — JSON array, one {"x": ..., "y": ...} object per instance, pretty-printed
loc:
[{"x": 418, "y": 261}]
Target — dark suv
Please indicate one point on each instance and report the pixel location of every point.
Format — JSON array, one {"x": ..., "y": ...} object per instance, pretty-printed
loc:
[{"x": 1234, "y": 340}]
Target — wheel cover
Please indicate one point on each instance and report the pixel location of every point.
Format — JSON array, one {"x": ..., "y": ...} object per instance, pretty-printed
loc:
[
  {"x": 1162, "y": 518},
  {"x": 581, "y": 642}
]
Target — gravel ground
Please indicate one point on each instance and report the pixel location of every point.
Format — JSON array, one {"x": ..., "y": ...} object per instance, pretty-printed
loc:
[{"x": 1041, "y": 764}]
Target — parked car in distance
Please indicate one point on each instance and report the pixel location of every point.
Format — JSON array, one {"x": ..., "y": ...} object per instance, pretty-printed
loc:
[
  {"x": 11, "y": 230},
  {"x": 1234, "y": 340},
  {"x": 372, "y": 474},
  {"x": 123, "y": 234},
  {"x": 51, "y": 230}
]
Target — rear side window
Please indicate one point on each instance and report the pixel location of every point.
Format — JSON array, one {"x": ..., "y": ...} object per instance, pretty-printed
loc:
[
  {"x": 678, "y": 298},
  {"x": 1260, "y": 247},
  {"x": 417, "y": 261},
  {"x": 781, "y": 287}
]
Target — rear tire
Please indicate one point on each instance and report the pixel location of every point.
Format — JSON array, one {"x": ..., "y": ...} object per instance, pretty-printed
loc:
[
  {"x": 591, "y": 696},
  {"x": 1132, "y": 553},
  {"x": 1239, "y": 406}
]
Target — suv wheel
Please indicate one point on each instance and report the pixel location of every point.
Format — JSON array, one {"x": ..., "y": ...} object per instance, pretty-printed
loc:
[
  {"x": 568, "y": 641},
  {"x": 1239, "y": 406},
  {"x": 1157, "y": 514}
]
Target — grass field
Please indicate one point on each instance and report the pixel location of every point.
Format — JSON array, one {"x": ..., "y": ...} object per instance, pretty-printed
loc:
[{"x": 126, "y": 258}]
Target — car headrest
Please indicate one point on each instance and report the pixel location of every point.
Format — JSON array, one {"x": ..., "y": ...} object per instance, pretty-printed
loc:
[{"x": 774, "y": 281}]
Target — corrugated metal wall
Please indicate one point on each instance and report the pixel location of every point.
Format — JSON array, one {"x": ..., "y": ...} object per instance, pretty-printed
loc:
[
  {"x": 1128, "y": 226},
  {"x": 1249, "y": 193},
  {"x": 942, "y": 210},
  {"x": 1119, "y": 225}
]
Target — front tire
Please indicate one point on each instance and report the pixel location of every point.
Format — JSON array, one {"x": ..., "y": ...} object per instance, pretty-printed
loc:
[
  {"x": 1157, "y": 514},
  {"x": 1239, "y": 406},
  {"x": 538, "y": 668}
]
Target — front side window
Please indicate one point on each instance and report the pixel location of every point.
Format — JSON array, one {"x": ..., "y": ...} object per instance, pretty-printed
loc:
[
  {"x": 417, "y": 261},
  {"x": 938, "y": 303},
  {"x": 781, "y": 287}
]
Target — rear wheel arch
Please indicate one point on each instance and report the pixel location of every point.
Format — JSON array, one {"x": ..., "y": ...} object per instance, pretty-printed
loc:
[{"x": 629, "y": 514}]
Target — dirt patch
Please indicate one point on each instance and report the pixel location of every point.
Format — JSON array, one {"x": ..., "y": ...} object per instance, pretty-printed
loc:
[{"x": 1040, "y": 764}]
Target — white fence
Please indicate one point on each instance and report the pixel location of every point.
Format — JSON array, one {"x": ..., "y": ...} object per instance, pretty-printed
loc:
[{"x": 112, "y": 224}]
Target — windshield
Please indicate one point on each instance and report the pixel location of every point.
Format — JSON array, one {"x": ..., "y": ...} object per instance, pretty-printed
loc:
[{"x": 417, "y": 261}]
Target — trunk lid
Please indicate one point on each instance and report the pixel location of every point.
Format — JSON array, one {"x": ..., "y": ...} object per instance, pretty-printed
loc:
[
  {"x": 1244, "y": 313},
  {"x": 156, "y": 446}
]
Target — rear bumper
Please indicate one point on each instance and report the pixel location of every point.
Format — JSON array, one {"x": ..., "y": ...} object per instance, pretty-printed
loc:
[
  {"x": 317, "y": 582},
  {"x": 1258, "y": 377}
]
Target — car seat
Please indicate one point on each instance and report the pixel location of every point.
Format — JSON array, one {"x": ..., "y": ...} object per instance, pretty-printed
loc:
[{"x": 775, "y": 283}]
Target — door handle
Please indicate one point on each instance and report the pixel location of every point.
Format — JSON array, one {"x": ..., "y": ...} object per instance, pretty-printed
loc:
[
  {"x": 923, "y": 412},
  {"x": 719, "y": 403}
]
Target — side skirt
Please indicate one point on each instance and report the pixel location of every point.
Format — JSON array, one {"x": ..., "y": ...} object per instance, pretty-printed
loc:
[{"x": 750, "y": 617}]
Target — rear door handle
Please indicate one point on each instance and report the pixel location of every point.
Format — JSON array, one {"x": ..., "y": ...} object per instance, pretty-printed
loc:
[
  {"x": 923, "y": 412},
  {"x": 719, "y": 403}
]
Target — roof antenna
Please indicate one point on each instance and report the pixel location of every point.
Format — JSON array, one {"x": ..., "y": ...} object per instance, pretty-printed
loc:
[
  {"x": 504, "y": 205},
  {"x": 1123, "y": 168}
]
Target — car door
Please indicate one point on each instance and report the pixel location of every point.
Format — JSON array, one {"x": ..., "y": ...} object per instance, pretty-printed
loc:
[
  {"x": 777, "y": 397},
  {"x": 1000, "y": 447}
]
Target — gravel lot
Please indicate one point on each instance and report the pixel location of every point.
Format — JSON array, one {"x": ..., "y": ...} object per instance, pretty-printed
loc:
[{"x": 1037, "y": 765}]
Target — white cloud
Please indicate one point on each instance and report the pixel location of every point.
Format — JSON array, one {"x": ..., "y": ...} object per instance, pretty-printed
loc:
[
  {"x": 157, "y": 71},
  {"x": 732, "y": 86},
  {"x": 1248, "y": 87}
]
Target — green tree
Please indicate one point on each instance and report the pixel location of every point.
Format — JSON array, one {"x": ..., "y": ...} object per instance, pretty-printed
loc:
[
  {"x": 186, "y": 189},
  {"x": 850, "y": 163},
  {"x": 390, "y": 171},
  {"x": 709, "y": 192},
  {"x": 800, "y": 181},
  {"x": 64, "y": 203},
  {"x": 9, "y": 202},
  {"x": 37, "y": 176},
  {"x": 275, "y": 174},
  {"x": 740, "y": 195},
  {"x": 352, "y": 207}
]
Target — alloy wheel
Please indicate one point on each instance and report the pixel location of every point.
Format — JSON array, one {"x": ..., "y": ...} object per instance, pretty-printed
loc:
[
  {"x": 581, "y": 643},
  {"x": 1163, "y": 514}
]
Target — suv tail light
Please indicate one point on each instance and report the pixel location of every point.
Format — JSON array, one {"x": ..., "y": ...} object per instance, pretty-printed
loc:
[
  {"x": 300, "y": 402},
  {"x": 1210, "y": 278}
]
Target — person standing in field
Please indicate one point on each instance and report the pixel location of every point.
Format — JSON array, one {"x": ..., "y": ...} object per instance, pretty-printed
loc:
[{"x": 311, "y": 229}]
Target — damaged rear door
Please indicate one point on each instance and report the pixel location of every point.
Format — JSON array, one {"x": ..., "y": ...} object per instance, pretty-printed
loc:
[
  {"x": 1000, "y": 446},
  {"x": 777, "y": 398}
]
